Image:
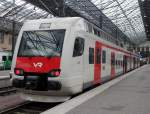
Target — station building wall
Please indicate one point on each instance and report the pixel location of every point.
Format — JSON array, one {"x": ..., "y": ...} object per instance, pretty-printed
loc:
[{"x": 5, "y": 41}]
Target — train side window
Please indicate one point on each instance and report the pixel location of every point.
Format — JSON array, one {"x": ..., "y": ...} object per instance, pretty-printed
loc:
[
  {"x": 98, "y": 57},
  {"x": 103, "y": 56},
  {"x": 78, "y": 47},
  {"x": 4, "y": 58},
  {"x": 91, "y": 55}
]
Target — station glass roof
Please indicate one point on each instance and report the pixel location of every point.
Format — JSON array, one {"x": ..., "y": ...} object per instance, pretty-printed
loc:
[
  {"x": 124, "y": 13},
  {"x": 20, "y": 10}
]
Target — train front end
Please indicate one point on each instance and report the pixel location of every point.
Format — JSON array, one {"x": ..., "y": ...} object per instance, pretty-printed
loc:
[{"x": 37, "y": 64}]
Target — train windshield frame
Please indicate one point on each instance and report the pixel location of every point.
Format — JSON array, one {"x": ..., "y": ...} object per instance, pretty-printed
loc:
[{"x": 47, "y": 43}]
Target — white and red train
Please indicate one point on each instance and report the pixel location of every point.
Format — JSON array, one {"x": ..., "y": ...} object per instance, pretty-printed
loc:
[{"x": 59, "y": 57}]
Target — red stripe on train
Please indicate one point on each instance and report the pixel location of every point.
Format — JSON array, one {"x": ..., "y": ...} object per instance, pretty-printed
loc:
[
  {"x": 97, "y": 67},
  {"x": 38, "y": 64}
]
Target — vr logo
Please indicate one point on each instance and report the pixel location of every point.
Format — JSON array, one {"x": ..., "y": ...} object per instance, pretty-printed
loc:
[{"x": 38, "y": 64}]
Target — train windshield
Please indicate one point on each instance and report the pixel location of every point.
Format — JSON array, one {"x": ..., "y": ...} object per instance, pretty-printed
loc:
[{"x": 47, "y": 43}]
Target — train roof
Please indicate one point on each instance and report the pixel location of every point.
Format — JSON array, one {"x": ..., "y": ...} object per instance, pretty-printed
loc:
[
  {"x": 55, "y": 23},
  {"x": 61, "y": 19}
]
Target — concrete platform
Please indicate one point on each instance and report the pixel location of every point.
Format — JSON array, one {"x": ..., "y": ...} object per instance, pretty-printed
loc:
[
  {"x": 4, "y": 79},
  {"x": 129, "y": 95}
]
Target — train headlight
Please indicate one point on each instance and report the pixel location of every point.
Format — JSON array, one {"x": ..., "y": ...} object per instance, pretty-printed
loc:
[
  {"x": 19, "y": 72},
  {"x": 54, "y": 73}
]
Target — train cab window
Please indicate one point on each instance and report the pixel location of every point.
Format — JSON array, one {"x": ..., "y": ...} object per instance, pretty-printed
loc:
[
  {"x": 91, "y": 55},
  {"x": 4, "y": 58},
  {"x": 98, "y": 57},
  {"x": 45, "y": 43},
  {"x": 103, "y": 56},
  {"x": 78, "y": 47}
]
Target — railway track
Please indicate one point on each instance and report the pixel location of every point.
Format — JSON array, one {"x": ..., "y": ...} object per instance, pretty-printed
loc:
[
  {"x": 7, "y": 90},
  {"x": 36, "y": 107},
  {"x": 29, "y": 108}
]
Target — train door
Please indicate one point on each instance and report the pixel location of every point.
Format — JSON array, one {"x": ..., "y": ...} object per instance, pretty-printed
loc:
[
  {"x": 97, "y": 63},
  {"x": 77, "y": 59},
  {"x": 89, "y": 63},
  {"x": 124, "y": 64},
  {"x": 112, "y": 74}
]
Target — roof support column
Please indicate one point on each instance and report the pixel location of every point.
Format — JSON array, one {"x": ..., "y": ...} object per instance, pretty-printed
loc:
[{"x": 13, "y": 31}]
